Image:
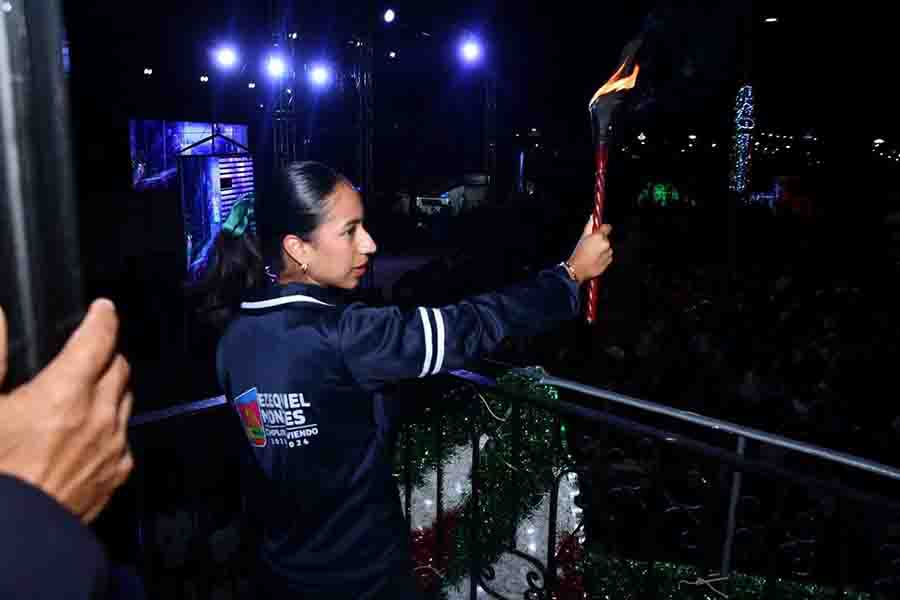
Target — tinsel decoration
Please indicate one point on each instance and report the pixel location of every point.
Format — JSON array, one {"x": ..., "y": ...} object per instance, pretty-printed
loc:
[
  {"x": 621, "y": 579},
  {"x": 510, "y": 491},
  {"x": 418, "y": 438},
  {"x": 510, "y": 488}
]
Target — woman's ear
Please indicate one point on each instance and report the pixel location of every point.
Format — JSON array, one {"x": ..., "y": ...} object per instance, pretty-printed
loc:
[{"x": 297, "y": 249}]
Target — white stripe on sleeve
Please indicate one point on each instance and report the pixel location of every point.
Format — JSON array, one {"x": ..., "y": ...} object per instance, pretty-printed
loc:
[
  {"x": 426, "y": 328},
  {"x": 439, "y": 323}
]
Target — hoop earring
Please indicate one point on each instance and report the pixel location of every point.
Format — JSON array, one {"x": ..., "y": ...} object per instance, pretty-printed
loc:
[{"x": 304, "y": 268}]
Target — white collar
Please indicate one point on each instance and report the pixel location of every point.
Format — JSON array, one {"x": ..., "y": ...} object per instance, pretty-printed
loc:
[{"x": 283, "y": 300}]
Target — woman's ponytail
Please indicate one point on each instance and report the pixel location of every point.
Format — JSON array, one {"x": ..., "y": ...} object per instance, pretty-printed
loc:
[{"x": 234, "y": 266}]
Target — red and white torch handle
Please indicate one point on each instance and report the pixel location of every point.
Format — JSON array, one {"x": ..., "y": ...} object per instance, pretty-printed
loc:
[{"x": 600, "y": 158}]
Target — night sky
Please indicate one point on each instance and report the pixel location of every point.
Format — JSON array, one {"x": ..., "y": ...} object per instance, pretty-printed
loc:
[{"x": 547, "y": 57}]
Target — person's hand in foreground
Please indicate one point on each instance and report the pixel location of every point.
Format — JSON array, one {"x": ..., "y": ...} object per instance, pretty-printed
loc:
[{"x": 65, "y": 430}]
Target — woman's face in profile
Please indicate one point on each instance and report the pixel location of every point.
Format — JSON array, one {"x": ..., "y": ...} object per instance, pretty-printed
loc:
[{"x": 341, "y": 246}]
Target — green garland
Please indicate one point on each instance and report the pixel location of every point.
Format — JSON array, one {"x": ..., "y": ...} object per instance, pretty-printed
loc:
[
  {"x": 456, "y": 429},
  {"x": 621, "y": 579},
  {"x": 510, "y": 490},
  {"x": 419, "y": 437}
]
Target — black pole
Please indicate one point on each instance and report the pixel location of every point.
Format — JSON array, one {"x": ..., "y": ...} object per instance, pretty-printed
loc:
[
  {"x": 283, "y": 105},
  {"x": 39, "y": 250},
  {"x": 489, "y": 152}
]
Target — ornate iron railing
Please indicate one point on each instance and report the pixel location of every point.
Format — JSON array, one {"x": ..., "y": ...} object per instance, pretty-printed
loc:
[{"x": 538, "y": 487}]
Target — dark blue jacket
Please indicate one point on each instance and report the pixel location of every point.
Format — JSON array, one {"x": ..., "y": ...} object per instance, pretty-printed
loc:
[
  {"x": 46, "y": 553},
  {"x": 304, "y": 370}
]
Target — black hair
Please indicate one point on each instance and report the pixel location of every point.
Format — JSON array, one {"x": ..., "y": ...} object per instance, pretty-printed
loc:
[{"x": 295, "y": 204}]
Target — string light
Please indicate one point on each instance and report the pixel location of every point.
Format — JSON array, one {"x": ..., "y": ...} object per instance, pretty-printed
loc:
[{"x": 743, "y": 124}]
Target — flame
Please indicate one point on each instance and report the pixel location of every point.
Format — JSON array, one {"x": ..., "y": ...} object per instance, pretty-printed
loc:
[{"x": 617, "y": 83}]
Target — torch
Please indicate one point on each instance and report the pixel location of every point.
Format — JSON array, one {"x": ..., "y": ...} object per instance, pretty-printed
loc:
[{"x": 601, "y": 108}]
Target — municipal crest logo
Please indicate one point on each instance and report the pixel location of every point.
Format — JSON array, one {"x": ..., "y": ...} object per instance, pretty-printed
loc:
[{"x": 248, "y": 409}]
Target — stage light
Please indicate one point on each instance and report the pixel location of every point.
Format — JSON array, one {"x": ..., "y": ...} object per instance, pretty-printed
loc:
[
  {"x": 204, "y": 78},
  {"x": 226, "y": 56},
  {"x": 392, "y": 54},
  {"x": 148, "y": 71},
  {"x": 251, "y": 85},
  {"x": 470, "y": 50},
  {"x": 389, "y": 16},
  {"x": 878, "y": 141},
  {"x": 294, "y": 35},
  {"x": 692, "y": 137},
  {"x": 320, "y": 75},
  {"x": 772, "y": 20},
  {"x": 275, "y": 66}
]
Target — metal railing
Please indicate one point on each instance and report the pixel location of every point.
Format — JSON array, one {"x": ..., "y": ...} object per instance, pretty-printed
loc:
[{"x": 656, "y": 498}]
